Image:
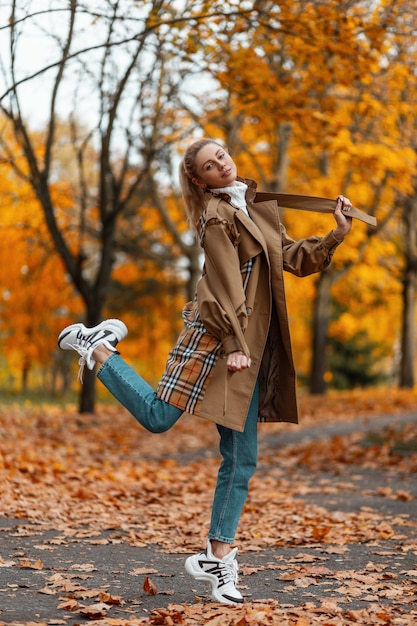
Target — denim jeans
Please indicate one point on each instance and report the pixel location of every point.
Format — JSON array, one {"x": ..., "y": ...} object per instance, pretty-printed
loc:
[{"x": 239, "y": 450}]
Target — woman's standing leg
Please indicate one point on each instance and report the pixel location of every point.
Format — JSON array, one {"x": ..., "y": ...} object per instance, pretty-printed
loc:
[{"x": 239, "y": 452}]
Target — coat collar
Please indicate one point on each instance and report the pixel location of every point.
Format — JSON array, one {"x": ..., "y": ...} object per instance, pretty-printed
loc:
[
  {"x": 245, "y": 220},
  {"x": 250, "y": 192}
]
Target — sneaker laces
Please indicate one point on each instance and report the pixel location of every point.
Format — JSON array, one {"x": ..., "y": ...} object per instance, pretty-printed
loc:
[
  {"x": 86, "y": 356},
  {"x": 229, "y": 570},
  {"x": 228, "y": 563},
  {"x": 232, "y": 569},
  {"x": 82, "y": 362}
]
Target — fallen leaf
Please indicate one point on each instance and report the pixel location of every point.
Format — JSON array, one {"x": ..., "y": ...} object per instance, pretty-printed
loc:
[
  {"x": 26, "y": 564},
  {"x": 149, "y": 587},
  {"x": 109, "y": 599},
  {"x": 95, "y": 611}
]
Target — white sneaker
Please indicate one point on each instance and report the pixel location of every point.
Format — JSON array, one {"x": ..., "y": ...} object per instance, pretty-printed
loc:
[
  {"x": 220, "y": 573},
  {"x": 85, "y": 340}
]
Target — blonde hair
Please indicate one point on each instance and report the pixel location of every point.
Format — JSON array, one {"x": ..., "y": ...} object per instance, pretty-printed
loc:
[{"x": 193, "y": 194}]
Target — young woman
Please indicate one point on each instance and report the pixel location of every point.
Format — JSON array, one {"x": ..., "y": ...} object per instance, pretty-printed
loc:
[{"x": 232, "y": 363}]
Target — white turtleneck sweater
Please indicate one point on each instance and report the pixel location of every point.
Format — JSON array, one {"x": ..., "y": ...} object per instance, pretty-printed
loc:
[{"x": 237, "y": 194}]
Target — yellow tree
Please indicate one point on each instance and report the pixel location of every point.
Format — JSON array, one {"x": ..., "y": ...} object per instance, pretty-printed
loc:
[
  {"x": 400, "y": 97},
  {"x": 150, "y": 280},
  {"x": 116, "y": 69},
  {"x": 36, "y": 299},
  {"x": 307, "y": 87},
  {"x": 117, "y": 86}
]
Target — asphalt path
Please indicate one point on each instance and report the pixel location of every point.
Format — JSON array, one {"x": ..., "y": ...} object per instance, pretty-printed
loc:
[{"x": 81, "y": 565}]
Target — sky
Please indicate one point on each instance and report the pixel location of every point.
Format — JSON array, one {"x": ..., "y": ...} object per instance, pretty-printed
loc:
[{"x": 35, "y": 49}]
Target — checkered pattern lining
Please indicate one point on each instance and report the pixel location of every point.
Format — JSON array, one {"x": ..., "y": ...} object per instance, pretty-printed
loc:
[{"x": 192, "y": 359}]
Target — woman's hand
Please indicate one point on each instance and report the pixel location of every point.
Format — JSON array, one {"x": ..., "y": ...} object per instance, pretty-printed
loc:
[
  {"x": 238, "y": 361},
  {"x": 341, "y": 215}
]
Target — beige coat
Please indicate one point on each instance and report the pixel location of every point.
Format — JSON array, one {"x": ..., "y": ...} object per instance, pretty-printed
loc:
[{"x": 241, "y": 304}]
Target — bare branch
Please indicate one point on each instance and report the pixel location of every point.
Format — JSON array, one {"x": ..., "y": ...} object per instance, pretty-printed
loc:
[
  {"x": 117, "y": 43},
  {"x": 57, "y": 82}
]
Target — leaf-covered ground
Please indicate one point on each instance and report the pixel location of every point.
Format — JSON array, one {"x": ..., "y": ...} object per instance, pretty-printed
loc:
[{"x": 343, "y": 479}]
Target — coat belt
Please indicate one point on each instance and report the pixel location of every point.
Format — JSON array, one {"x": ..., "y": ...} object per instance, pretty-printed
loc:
[{"x": 312, "y": 203}]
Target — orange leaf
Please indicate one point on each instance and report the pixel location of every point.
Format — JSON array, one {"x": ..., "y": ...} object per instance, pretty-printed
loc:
[
  {"x": 320, "y": 531},
  {"x": 95, "y": 611},
  {"x": 109, "y": 599},
  {"x": 149, "y": 587},
  {"x": 26, "y": 564},
  {"x": 385, "y": 530},
  {"x": 68, "y": 605}
]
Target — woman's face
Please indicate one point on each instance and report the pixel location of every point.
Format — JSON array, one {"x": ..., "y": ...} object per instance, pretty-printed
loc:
[{"x": 214, "y": 167}]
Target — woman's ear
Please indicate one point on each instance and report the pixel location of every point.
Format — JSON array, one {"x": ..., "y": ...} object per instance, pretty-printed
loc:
[{"x": 199, "y": 183}]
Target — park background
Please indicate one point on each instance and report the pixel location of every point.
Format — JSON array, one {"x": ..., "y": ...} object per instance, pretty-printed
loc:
[{"x": 98, "y": 103}]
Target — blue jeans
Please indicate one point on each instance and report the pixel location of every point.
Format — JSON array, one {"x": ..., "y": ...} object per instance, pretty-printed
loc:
[{"x": 239, "y": 450}]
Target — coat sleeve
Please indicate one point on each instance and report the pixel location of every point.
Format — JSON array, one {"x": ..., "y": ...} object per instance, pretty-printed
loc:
[
  {"x": 220, "y": 292},
  {"x": 309, "y": 255}
]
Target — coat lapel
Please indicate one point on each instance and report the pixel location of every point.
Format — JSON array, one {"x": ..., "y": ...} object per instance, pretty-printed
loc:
[
  {"x": 252, "y": 242},
  {"x": 251, "y": 238}
]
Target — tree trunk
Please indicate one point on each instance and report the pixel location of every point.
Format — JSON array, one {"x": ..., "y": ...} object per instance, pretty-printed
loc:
[
  {"x": 321, "y": 320},
  {"x": 88, "y": 389},
  {"x": 25, "y": 377},
  {"x": 88, "y": 392},
  {"x": 407, "y": 378}
]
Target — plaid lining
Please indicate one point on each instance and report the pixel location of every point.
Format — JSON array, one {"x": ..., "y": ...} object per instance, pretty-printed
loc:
[
  {"x": 192, "y": 359},
  {"x": 189, "y": 365},
  {"x": 246, "y": 270}
]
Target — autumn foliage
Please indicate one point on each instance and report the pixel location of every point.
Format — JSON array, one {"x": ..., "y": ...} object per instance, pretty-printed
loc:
[
  {"x": 102, "y": 480},
  {"x": 310, "y": 97}
]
